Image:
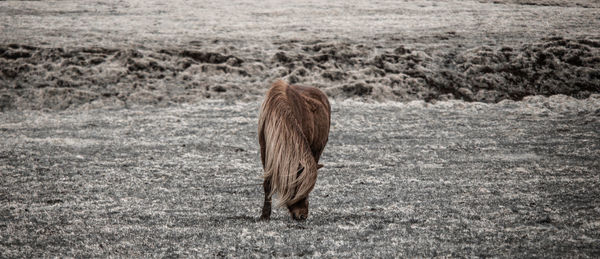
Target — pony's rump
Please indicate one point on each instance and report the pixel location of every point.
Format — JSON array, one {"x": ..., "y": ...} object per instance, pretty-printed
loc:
[{"x": 293, "y": 128}]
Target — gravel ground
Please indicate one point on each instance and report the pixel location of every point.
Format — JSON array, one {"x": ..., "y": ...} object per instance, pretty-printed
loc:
[{"x": 514, "y": 179}]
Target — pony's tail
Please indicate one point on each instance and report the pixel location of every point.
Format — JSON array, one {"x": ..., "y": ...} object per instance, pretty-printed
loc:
[{"x": 288, "y": 160}]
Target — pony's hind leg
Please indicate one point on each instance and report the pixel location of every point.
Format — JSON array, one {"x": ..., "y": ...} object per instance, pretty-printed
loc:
[{"x": 266, "y": 210}]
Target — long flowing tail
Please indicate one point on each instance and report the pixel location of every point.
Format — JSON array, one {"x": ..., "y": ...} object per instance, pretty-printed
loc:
[{"x": 287, "y": 151}]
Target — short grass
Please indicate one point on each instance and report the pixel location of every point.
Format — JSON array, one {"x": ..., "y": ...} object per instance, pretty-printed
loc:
[{"x": 515, "y": 179}]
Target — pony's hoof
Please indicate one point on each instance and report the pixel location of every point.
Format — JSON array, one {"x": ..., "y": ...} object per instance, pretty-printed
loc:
[{"x": 265, "y": 218}]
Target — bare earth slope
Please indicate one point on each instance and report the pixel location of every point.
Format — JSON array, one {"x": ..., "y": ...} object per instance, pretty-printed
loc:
[
  {"x": 61, "y": 54},
  {"x": 515, "y": 179}
]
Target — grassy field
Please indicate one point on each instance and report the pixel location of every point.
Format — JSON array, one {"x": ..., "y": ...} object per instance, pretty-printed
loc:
[
  {"x": 515, "y": 179},
  {"x": 459, "y": 128}
]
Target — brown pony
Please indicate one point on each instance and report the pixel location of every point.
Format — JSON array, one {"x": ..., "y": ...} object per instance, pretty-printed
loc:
[{"x": 293, "y": 128}]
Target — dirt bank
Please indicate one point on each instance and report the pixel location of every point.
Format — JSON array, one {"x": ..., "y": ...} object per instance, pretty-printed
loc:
[{"x": 58, "y": 78}]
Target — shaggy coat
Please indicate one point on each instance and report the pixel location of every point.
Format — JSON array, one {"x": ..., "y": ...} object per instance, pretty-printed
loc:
[{"x": 293, "y": 129}]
